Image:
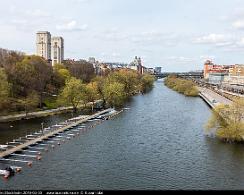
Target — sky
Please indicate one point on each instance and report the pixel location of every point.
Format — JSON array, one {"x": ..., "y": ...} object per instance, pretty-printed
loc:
[{"x": 178, "y": 35}]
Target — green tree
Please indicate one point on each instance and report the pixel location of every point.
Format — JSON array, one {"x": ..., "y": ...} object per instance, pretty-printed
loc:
[
  {"x": 29, "y": 102},
  {"x": 80, "y": 69},
  {"x": 33, "y": 73},
  {"x": 62, "y": 71},
  {"x": 73, "y": 93},
  {"x": 228, "y": 120},
  {"x": 22, "y": 78},
  {"x": 114, "y": 94},
  {"x": 8, "y": 60},
  {"x": 147, "y": 81},
  {"x": 100, "y": 83},
  {"x": 129, "y": 78},
  {"x": 58, "y": 66},
  {"x": 91, "y": 93},
  {"x": 4, "y": 87},
  {"x": 42, "y": 74}
]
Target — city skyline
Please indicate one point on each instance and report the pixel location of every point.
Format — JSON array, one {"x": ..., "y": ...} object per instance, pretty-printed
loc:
[{"x": 177, "y": 35}]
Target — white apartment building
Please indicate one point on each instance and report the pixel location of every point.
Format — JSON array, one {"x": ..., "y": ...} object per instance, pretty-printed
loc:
[
  {"x": 57, "y": 48},
  {"x": 43, "y": 44}
]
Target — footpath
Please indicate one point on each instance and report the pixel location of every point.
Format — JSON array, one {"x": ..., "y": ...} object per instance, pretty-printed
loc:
[
  {"x": 23, "y": 116},
  {"x": 213, "y": 98}
]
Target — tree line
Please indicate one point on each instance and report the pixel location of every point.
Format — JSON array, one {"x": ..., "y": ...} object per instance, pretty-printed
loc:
[
  {"x": 186, "y": 87},
  {"x": 113, "y": 90},
  {"x": 29, "y": 82}
]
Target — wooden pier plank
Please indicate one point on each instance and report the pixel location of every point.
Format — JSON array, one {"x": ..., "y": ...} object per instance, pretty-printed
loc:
[{"x": 45, "y": 136}]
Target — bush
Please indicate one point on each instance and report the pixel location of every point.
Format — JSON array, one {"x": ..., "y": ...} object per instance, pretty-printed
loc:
[
  {"x": 51, "y": 103},
  {"x": 228, "y": 122}
]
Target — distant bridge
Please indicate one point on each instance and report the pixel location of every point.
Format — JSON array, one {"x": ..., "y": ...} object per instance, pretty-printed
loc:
[{"x": 193, "y": 75}]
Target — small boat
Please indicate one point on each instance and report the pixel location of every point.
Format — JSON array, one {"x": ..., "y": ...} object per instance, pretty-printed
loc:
[
  {"x": 58, "y": 125},
  {"x": 3, "y": 146},
  {"x": 90, "y": 120},
  {"x": 5, "y": 173},
  {"x": 30, "y": 136},
  {"x": 16, "y": 169}
]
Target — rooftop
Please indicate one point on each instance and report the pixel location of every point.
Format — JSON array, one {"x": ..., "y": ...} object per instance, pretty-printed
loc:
[{"x": 43, "y": 32}]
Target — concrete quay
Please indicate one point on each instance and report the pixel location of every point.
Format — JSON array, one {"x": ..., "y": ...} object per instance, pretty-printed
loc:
[{"x": 212, "y": 98}]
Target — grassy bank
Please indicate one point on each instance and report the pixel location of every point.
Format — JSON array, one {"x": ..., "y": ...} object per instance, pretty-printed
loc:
[{"x": 183, "y": 86}]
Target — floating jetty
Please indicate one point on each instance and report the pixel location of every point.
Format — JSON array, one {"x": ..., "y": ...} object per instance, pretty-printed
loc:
[{"x": 21, "y": 150}]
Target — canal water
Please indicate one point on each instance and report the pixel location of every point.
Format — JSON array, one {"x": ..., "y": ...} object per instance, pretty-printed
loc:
[
  {"x": 158, "y": 144},
  {"x": 16, "y": 129}
]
